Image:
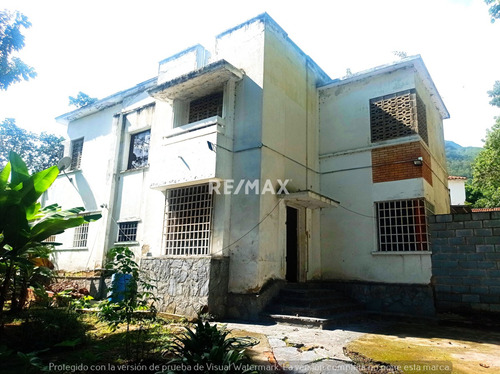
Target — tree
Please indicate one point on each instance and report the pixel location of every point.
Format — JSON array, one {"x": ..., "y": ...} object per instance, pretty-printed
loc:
[
  {"x": 81, "y": 100},
  {"x": 494, "y": 9},
  {"x": 24, "y": 224},
  {"x": 39, "y": 151},
  {"x": 12, "y": 69},
  {"x": 495, "y": 94},
  {"x": 486, "y": 169}
]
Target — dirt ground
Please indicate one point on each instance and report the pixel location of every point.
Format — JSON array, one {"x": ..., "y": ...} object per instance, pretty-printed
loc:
[{"x": 418, "y": 348}]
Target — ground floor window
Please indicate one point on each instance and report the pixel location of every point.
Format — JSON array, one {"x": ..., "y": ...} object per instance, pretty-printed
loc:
[
  {"x": 402, "y": 225},
  {"x": 188, "y": 215},
  {"x": 81, "y": 235},
  {"x": 127, "y": 232}
]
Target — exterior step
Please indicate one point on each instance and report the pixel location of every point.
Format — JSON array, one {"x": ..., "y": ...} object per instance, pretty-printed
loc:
[
  {"x": 312, "y": 305},
  {"x": 337, "y": 320}
]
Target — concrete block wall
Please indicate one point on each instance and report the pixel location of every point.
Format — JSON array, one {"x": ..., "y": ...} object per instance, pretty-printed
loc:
[{"x": 466, "y": 262}]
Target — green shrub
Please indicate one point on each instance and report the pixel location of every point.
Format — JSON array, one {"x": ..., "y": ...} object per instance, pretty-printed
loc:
[{"x": 208, "y": 349}]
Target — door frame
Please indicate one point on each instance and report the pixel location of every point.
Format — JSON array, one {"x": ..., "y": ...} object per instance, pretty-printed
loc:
[{"x": 301, "y": 242}]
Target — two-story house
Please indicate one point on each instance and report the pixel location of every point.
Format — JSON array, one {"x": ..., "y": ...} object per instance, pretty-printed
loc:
[{"x": 243, "y": 165}]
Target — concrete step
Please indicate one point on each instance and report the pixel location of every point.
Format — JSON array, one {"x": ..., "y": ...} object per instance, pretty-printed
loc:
[
  {"x": 316, "y": 311},
  {"x": 326, "y": 322},
  {"x": 312, "y": 305}
]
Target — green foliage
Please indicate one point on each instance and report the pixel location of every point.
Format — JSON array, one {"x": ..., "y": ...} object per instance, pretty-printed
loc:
[
  {"x": 460, "y": 159},
  {"x": 81, "y": 100},
  {"x": 495, "y": 94},
  {"x": 24, "y": 224},
  {"x": 39, "y": 151},
  {"x": 12, "y": 69},
  {"x": 137, "y": 295},
  {"x": 487, "y": 170},
  {"x": 210, "y": 350},
  {"x": 494, "y": 9}
]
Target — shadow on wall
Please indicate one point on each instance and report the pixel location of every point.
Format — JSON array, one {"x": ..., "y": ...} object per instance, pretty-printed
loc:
[{"x": 86, "y": 193}]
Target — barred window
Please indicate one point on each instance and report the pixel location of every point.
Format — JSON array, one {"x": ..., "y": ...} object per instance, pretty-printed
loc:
[
  {"x": 188, "y": 215},
  {"x": 139, "y": 150},
  {"x": 205, "y": 107},
  {"x": 76, "y": 153},
  {"x": 402, "y": 225},
  {"x": 81, "y": 235},
  {"x": 50, "y": 239},
  {"x": 127, "y": 231},
  {"x": 396, "y": 115}
]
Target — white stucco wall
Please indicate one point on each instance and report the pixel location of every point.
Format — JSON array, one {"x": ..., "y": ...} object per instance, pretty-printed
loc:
[
  {"x": 457, "y": 191},
  {"x": 349, "y": 243}
]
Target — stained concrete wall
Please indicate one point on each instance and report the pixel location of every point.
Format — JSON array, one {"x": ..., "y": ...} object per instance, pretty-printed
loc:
[
  {"x": 345, "y": 159},
  {"x": 349, "y": 245},
  {"x": 466, "y": 262}
]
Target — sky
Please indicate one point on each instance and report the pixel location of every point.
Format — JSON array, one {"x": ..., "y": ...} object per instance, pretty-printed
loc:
[{"x": 102, "y": 47}]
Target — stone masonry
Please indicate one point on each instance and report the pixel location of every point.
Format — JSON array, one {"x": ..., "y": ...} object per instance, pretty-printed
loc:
[
  {"x": 185, "y": 285},
  {"x": 466, "y": 262}
]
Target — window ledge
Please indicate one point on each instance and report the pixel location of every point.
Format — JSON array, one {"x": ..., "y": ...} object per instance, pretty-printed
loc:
[
  {"x": 401, "y": 253},
  {"x": 143, "y": 168},
  {"x": 211, "y": 121},
  {"x": 72, "y": 249},
  {"x": 128, "y": 244}
]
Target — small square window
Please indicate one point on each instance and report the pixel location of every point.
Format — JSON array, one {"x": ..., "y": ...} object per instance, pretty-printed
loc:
[
  {"x": 139, "y": 150},
  {"x": 76, "y": 153},
  {"x": 127, "y": 232}
]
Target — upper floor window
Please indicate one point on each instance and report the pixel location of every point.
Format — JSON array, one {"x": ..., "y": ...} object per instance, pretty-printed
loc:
[
  {"x": 205, "y": 107},
  {"x": 76, "y": 153},
  {"x": 139, "y": 150},
  {"x": 397, "y": 115}
]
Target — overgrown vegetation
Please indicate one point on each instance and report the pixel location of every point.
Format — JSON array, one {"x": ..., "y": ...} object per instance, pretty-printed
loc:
[
  {"x": 24, "y": 226},
  {"x": 208, "y": 349},
  {"x": 131, "y": 293}
]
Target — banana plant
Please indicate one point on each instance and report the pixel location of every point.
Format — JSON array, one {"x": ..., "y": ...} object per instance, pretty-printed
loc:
[{"x": 24, "y": 224}]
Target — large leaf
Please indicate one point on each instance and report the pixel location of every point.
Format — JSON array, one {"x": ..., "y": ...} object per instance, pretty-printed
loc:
[
  {"x": 53, "y": 226},
  {"x": 19, "y": 172},
  {"x": 4, "y": 176},
  {"x": 14, "y": 226},
  {"x": 33, "y": 212},
  {"x": 92, "y": 217},
  {"x": 37, "y": 184}
]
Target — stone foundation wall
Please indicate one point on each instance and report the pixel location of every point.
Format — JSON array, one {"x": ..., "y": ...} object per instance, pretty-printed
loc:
[
  {"x": 466, "y": 262},
  {"x": 414, "y": 299},
  {"x": 187, "y": 284},
  {"x": 248, "y": 306}
]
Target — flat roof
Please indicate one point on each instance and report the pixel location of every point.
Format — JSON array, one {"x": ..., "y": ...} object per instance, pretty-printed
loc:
[{"x": 415, "y": 62}]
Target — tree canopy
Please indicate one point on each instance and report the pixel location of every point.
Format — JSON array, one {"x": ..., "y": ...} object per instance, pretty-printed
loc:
[
  {"x": 495, "y": 94},
  {"x": 81, "y": 100},
  {"x": 486, "y": 169},
  {"x": 494, "y": 9},
  {"x": 39, "y": 150},
  {"x": 12, "y": 69}
]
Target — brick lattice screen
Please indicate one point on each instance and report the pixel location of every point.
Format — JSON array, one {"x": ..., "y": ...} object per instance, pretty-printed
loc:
[{"x": 397, "y": 115}]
